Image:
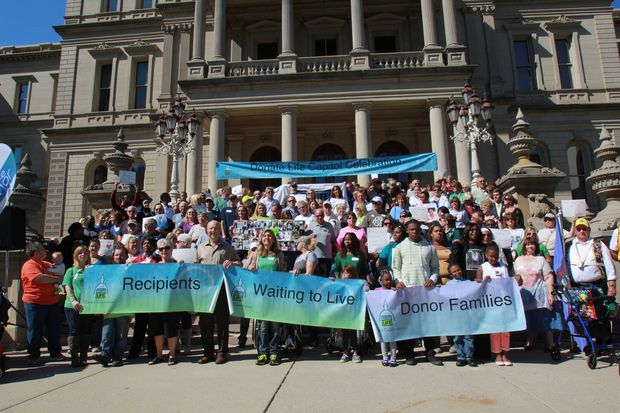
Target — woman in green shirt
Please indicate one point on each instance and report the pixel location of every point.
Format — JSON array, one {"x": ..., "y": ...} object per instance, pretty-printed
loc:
[
  {"x": 351, "y": 254},
  {"x": 268, "y": 257},
  {"x": 79, "y": 324}
]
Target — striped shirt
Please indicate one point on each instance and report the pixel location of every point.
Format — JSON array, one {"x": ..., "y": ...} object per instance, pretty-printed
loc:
[{"x": 414, "y": 262}]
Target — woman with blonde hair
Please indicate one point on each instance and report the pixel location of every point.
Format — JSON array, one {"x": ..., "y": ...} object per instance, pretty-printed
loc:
[
  {"x": 306, "y": 262},
  {"x": 80, "y": 325},
  {"x": 268, "y": 257}
]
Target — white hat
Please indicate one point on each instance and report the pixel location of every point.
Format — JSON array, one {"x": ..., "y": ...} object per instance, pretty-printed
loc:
[{"x": 377, "y": 199}]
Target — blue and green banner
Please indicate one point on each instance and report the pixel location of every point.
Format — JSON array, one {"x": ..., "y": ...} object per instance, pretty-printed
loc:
[
  {"x": 151, "y": 288},
  {"x": 8, "y": 173},
  {"x": 455, "y": 309},
  {"x": 301, "y": 299},
  {"x": 423, "y": 162}
]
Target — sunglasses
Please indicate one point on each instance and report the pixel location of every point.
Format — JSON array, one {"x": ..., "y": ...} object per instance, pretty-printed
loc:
[
  {"x": 164, "y": 248},
  {"x": 387, "y": 223},
  {"x": 583, "y": 229},
  {"x": 548, "y": 219}
]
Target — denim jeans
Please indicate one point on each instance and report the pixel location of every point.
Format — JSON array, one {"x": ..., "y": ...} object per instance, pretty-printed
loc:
[
  {"x": 269, "y": 338},
  {"x": 464, "y": 347},
  {"x": 79, "y": 324},
  {"x": 39, "y": 317},
  {"x": 113, "y": 338}
]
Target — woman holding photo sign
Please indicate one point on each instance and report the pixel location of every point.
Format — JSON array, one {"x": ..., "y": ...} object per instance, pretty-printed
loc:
[{"x": 268, "y": 257}]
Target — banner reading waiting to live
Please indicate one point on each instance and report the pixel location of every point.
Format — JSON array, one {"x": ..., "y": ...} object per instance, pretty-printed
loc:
[
  {"x": 301, "y": 299},
  {"x": 422, "y": 162},
  {"x": 151, "y": 288},
  {"x": 457, "y": 309}
]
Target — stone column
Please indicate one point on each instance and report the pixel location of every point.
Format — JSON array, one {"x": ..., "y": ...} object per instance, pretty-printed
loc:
[
  {"x": 463, "y": 164},
  {"x": 359, "y": 53},
  {"x": 432, "y": 50},
  {"x": 288, "y": 58},
  {"x": 289, "y": 135},
  {"x": 362, "y": 136},
  {"x": 439, "y": 142},
  {"x": 216, "y": 144},
  {"x": 454, "y": 50},
  {"x": 193, "y": 164},
  {"x": 217, "y": 65},
  {"x": 196, "y": 66}
]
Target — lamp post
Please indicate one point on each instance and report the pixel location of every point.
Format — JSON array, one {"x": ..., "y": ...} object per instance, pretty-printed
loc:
[
  {"x": 469, "y": 115},
  {"x": 175, "y": 132}
]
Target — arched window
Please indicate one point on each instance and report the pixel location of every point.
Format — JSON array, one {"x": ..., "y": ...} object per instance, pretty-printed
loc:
[
  {"x": 328, "y": 152},
  {"x": 265, "y": 154},
  {"x": 393, "y": 148},
  {"x": 139, "y": 168},
  {"x": 580, "y": 164},
  {"x": 540, "y": 154},
  {"x": 100, "y": 174}
]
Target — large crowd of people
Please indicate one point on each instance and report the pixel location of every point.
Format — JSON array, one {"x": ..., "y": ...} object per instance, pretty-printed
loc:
[{"x": 455, "y": 244}]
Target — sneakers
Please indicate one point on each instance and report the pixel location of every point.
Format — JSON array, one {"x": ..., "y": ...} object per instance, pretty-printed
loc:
[
  {"x": 356, "y": 358},
  {"x": 472, "y": 363},
  {"x": 274, "y": 360},
  {"x": 385, "y": 362},
  {"x": 262, "y": 360},
  {"x": 344, "y": 358},
  {"x": 461, "y": 363},
  {"x": 393, "y": 362}
]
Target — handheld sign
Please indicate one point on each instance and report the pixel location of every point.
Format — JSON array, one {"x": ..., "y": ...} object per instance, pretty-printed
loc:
[
  {"x": 8, "y": 173},
  {"x": 127, "y": 177}
]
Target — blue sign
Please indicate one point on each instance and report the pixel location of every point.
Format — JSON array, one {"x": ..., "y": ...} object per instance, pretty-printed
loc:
[
  {"x": 8, "y": 173},
  {"x": 455, "y": 309},
  {"x": 423, "y": 162}
]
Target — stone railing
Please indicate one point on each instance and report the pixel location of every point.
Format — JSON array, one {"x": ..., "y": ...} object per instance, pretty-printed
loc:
[
  {"x": 405, "y": 60},
  {"x": 253, "y": 68},
  {"x": 317, "y": 64}
]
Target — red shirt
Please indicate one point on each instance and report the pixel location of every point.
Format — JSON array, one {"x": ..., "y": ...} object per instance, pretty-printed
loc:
[{"x": 36, "y": 292}]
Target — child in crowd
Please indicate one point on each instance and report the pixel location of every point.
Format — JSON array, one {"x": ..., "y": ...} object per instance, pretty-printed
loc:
[
  {"x": 494, "y": 268},
  {"x": 349, "y": 337},
  {"x": 387, "y": 283},
  {"x": 57, "y": 269},
  {"x": 464, "y": 344}
]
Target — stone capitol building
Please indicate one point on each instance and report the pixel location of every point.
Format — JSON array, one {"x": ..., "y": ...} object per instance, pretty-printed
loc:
[{"x": 306, "y": 80}]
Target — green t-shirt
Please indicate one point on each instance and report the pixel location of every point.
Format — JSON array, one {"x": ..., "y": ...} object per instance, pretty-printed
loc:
[
  {"x": 75, "y": 278},
  {"x": 542, "y": 247},
  {"x": 360, "y": 264},
  {"x": 268, "y": 263}
]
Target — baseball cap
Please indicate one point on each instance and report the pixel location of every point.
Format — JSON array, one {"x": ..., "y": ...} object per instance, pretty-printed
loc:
[
  {"x": 377, "y": 199},
  {"x": 582, "y": 222},
  {"x": 549, "y": 215},
  {"x": 132, "y": 222}
]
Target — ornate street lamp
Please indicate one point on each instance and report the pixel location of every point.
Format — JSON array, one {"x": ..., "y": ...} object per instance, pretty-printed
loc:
[
  {"x": 469, "y": 115},
  {"x": 175, "y": 132}
]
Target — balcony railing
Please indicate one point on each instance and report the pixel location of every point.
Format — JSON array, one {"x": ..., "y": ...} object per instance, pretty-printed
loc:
[
  {"x": 404, "y": 60},
  {"x": 318, "y": 64},
  {"x": 253, "y": 68}
]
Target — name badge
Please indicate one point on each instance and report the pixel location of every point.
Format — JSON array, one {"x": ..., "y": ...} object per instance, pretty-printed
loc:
[
  {"x": 355, "y": 259},
  {"x": 271, "y": 258}
]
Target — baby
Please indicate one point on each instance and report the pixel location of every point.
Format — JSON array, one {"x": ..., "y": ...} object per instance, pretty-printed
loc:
[{"x": 57, "y": 269}]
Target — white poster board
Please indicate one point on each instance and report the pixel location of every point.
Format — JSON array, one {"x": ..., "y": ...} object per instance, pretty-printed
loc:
[
  {"x": 574, "y": 208},
  {"x": 127, "y": 177},
  {"x": 424, "y": 213},
  {"x": 502, "y": 237},
  {"x": 378, "y": 238},
  {"x": 106, "y": 247},
  {"x": 187, "y": 255}
]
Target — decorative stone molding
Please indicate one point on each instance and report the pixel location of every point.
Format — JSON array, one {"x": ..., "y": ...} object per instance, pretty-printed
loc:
[
  {"x": 173, "y": 27},
  {"x": 140, "y": 47},
  {"x": 104, "y": 50},
  {"x": 605, "y": 182}
]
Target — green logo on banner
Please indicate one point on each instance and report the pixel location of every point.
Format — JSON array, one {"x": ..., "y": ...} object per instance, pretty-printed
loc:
[
  {"x": 238, "y": 293},
  {"x": 386, "y": 316},
  {"x": 101, "y": 290}
]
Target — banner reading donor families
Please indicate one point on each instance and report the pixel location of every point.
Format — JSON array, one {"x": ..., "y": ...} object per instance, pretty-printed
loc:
[
  {"x": 423, "y": 162},
  {"x": 302, "y": 299},
  {"x": 451, "y": 310},
  {"x": 151, "y": 288}
]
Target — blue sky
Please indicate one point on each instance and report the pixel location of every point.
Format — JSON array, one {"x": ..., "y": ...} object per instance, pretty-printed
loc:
[{"x": 19, "y": 29}]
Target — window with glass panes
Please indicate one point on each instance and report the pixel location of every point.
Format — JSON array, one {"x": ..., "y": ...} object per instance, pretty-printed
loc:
[
  {"x": 146, "y": 4},
  {"x": 22, "y": 98},
  {"x": 105, "y": 85},
  {"x": 523, "y": 61},
  {"x": 110, "y": 5},
  {"x": 562, "y": 47},
  {"x": 325, "y": 47},
  {"x": 141, "y": 78}
]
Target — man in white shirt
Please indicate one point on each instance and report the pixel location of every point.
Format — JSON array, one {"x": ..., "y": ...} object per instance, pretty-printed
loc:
[
  {"x": 546, "y": 235},
  {"x": 268, "y": 200},
  {"x": 591, "y": 265}
]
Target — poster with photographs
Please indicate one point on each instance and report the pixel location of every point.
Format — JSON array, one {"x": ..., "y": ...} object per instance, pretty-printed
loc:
[
  {"x": 287, "y": 232},
  {"x": 424, "y": 213}
]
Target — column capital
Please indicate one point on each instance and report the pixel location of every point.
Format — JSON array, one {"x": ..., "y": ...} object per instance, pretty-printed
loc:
[
  {"x": 364, "y": 105},
  {"x": 288, "y": 108},
  {"x": 216, "y": 113},
  {"x": 436, "y": 103}
]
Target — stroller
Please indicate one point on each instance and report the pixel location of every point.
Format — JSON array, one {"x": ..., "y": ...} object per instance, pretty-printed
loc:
[
  {"x": 5, "y": 305},
  {"x": 583, "y": 312}
]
